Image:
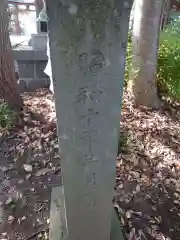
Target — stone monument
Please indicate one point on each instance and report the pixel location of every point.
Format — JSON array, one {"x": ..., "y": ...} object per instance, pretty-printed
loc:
[
  {"x": 39, "y": 39},
  {"x": 88, "y": 41}
]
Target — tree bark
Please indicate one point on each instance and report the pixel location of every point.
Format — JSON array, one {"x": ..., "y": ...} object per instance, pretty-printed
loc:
[
  {"x": 146, "y": 27},
  {"x": 166, "y": 8},
  {"x": 39, "y": 6},
  {"x": 8, "y": 82}
]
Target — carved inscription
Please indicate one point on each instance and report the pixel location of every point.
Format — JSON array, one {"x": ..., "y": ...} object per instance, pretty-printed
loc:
[
  {"x": 91, "y": 63},
  {"x": 91, "y": 178},
  {"x": 86, "y": 103},
  {"x": 85, "y": 94}
]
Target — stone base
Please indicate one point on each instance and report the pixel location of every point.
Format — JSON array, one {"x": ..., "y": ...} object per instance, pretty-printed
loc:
[
  {"x": 58, "y": 230},
  {"x": 39, "y": 41},
  {"x": 30, "y": 85},
  {"x": 31, "y": 64}
]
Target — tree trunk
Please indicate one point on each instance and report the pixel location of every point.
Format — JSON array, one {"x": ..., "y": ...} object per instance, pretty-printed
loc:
[
  {"x": 167, "y": 12},
  {"x": 17, "y": 22},
  {"x": 39, "y": 6},
  {"x": 166, "y": 8},
  {"x": 146, "y": 26},
  {"x": 8, "y": 82}
]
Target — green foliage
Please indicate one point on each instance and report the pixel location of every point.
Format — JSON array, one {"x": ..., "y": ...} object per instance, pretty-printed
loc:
[
  {"x": 169, "y": 61},
  {"x": 122, "y": 142},
  {"x": 7, "y": 116},
  {"x": 168, "y": 69},
  {"x": 128, "y": 58}
]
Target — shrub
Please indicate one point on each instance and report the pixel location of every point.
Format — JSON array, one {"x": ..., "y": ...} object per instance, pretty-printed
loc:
[
  {"x": 168, "y": 72},
  {"x": 122, "y": 142},
  {"x": 7, "y": 116},
  {"x": 168, "y": 69}
]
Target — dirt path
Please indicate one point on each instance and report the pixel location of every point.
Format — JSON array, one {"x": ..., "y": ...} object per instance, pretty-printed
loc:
[{"x": 147, "y": 193}]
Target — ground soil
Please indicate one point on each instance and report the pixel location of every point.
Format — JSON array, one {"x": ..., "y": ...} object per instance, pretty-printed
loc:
[
  {"x": 148, "y": 172},
  {"x": 147, "y": 196}
]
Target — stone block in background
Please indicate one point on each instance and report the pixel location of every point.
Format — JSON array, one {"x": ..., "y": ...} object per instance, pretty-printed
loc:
[
  {"x": 26, "y": 69},
  {"x": 40, "y": 66},
  {"x": 31, "y": 64},
  {"x": 39, "y": 41}
]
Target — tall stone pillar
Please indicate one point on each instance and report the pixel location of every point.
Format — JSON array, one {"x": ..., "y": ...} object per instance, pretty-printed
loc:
[{"x": 88, "y": 44}]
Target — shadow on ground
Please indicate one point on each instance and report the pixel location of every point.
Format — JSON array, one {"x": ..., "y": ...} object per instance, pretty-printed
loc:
[
  {"x": 147, "y": 195},
  {"x": 29, "y": 168},
  {"x": 148, "y": 174}
]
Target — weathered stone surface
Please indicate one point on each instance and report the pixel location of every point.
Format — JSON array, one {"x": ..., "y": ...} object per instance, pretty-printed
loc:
[
  {"x": 39, "y": 68},
  {"x": 26, "y": 69},
  {"x": 22, "y": 85},
  {"x": 30, "y": 85},
  {"x": 58, "y": 224},
  {"x": 37, "y": 83},
  {"x": 58, "y": 221},
  {"x": 32, "y": 69},
  {"x": 39, "y": 41},
  {"x": 31, "y": 66},
  {"x": 30, "y": 54},
  {"x": 88, "y": 44}
]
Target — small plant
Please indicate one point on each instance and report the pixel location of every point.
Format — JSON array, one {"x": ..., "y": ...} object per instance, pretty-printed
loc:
[
  {"x": 169, "y": 61},
  {"x": 128, "y": 58},
  {"x": 122, "y": 142},
  {"x": 7, "y": 116}
]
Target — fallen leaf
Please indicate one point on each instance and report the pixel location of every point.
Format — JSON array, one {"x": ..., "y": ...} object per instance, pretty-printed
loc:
[
  {"x": 38, "y": 223},
  {"x": 138, "y": 188},
  {"x": 42, "y": 172},
  {"x": 176, "y": 202},
  {"x": 128, "y": 214},
  {"x": 4, "y": 234},
  {"x": 9, "y": 201},
  {"x": 121, "y": 186},
  {"x": 27, "y": 167},
  {"x": 4, "y": 169},
  {"x": 23, "y": 218},
  {"x": 10, "y": 219},
  {"x": 122, "y": 221},
  {"x": 132, "y": 235},
  {"x": 28, "y": 176}
]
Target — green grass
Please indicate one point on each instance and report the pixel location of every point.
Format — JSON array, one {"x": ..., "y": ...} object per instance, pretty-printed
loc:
[
  {"x": 169, "y": 61},
  {"x": 7, "y": 116}
]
